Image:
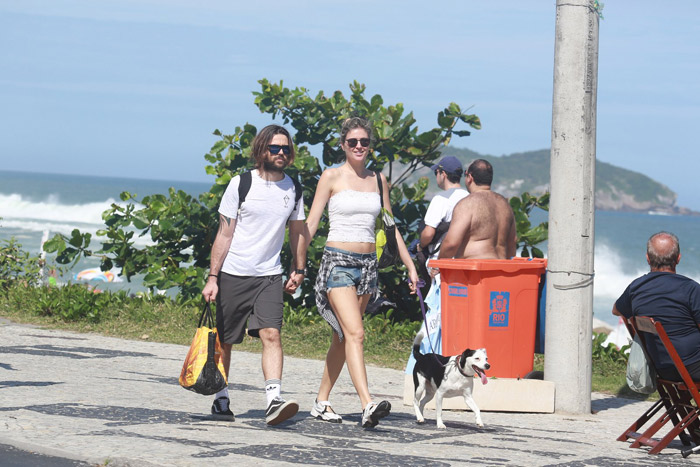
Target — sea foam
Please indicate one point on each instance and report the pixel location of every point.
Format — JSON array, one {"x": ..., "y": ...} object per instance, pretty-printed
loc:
[
  {"x": 611, "y": 279},
  {"x": 20, "y": 216},
  {"x": 15, "y": 207}
]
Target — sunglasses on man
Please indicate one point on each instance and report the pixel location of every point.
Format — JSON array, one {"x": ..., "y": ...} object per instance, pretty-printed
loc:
[
  {"x": 352, "y": 142},
  {"x": 275, "y": 149}
]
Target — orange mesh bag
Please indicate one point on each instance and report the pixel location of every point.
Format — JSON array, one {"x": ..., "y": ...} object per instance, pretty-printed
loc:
[{"x": 203, "y": 372}]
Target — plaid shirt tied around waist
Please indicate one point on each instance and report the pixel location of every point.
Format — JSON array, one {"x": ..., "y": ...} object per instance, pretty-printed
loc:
[{"x": 330, "y": 260}]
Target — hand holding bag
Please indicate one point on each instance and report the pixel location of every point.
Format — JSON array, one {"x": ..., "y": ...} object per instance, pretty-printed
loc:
[
  {"x": 203, "y": 370},
  {"x": 385, "y": 233}
]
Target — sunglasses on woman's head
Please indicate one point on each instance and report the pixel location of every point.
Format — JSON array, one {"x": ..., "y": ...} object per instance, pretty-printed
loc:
[
  {"x": 275, "y": 149},
  {"x": 352, "y": 142}
]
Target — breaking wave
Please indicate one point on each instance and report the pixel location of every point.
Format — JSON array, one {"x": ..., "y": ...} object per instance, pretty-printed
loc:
[{"x": 15, "y": 208}]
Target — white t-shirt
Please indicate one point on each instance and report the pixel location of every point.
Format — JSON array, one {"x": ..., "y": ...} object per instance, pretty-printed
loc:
[
  {"x": 441, "y": 207},
  {"x": 259, "y": 234}
]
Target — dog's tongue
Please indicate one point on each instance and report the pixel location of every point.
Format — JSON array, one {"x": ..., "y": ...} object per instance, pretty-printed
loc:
[
  {"x": 484, "y": 380},
  {"x": 482, "y": 375}
]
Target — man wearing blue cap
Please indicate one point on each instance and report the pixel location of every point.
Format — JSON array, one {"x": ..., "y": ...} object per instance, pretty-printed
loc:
[{"x": 448, "y": 173}]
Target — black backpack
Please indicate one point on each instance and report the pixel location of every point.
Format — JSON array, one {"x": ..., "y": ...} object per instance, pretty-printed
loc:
[
  {"x": 440, "y": 232},
  {"x": 247, "y": 180},
  {"x": 423, "y": 255}
]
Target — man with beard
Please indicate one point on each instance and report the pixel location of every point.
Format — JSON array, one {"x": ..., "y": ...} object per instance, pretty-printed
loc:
[{"x": 245, "y": 276}]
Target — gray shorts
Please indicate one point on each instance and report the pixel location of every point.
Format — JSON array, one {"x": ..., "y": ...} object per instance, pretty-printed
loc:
[{"x": 252, "y": 299}]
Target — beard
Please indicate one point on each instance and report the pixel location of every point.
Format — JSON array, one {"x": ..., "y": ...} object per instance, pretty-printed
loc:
[{"x": 270, "y": 166}]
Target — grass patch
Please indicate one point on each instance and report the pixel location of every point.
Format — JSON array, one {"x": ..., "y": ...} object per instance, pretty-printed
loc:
[
  {"x": 305, "y": 335},
  {"x": 608, "y": 377},
  {"x": 160, "y": 319},
  {"x": 156, "y": 319},
  {"x": 312, "y": 341}
]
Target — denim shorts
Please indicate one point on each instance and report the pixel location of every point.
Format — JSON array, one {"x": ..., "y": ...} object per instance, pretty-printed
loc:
[{"x": 344, "y": 276}]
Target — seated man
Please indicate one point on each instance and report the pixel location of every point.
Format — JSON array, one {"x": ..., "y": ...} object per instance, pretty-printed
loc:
[{"x": 671, "y": 299}]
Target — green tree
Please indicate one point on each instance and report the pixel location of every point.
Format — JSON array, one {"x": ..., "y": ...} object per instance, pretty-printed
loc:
[
  {"x": 529, "y": 236},
  {"x": 17, "y": 265},
  {"x": 182, "y": 228}
]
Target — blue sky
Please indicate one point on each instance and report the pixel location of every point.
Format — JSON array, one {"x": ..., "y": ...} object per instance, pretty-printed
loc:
[{"x": 134, "y": 88}]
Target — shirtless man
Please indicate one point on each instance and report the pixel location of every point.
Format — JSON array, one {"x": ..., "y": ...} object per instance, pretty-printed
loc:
[{"x": 483, "y": 224}]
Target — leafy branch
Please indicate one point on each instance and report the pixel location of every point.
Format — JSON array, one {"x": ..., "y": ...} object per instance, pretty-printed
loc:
[{"x": 179, "y": 229}]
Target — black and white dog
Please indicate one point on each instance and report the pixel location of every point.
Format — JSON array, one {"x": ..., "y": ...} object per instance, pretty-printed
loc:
[{"x": 435, "y": 375}]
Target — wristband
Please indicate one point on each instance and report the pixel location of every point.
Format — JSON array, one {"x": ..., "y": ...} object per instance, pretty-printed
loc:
[
  {"x": 300, "y": 271},
  {"x": 213, "y": 275}
]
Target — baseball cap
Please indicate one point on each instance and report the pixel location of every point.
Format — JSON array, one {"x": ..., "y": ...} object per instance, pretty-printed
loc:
[{"x": 449, "y": 164}]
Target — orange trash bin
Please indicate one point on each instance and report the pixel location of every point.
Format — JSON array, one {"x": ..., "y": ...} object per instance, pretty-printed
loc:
[{"x": 491, "y": 303}]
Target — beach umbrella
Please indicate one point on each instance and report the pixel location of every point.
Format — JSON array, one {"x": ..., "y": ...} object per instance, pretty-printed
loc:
[{"x": 94, "y": 275}]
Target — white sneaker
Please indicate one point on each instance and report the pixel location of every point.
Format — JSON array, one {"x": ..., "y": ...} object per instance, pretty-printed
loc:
[
  {"x": 323, "y": 411},
  {"x": 374, "y": 412}
]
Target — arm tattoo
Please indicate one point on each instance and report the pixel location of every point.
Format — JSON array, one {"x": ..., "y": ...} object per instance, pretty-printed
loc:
[{"x": 223, "y": 219}]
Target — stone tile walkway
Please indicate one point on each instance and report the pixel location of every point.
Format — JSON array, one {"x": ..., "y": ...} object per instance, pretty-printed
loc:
[{"x": 117, "y": 402}]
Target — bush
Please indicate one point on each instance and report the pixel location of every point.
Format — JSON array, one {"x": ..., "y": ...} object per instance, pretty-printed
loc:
[
  {"x": 300, "y": 316},
  {"x": 610, "y": 353},
  {"x": 17, "y": 265},
  {"x": 72, "y": 302},
  {"x": 182, "y": 227},
  {"x": 381, "y": 324}
]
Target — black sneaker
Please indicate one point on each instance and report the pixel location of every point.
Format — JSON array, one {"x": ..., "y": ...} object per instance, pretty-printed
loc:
[
  {"x": 221, "y": 409},
  {"x": 375, "y": 412},
  {"x": 280, "y": 410}
]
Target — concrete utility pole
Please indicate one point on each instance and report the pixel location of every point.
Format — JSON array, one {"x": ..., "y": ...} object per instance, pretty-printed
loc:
[{"x": 569, "y": 319}]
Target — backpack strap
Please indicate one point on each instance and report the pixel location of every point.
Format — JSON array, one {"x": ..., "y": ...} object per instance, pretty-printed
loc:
[
  {"x": 440, "y": 232},
  {"x": 297, "y": 192},
  {"x": 247, "y": 181},
  {"x": 244, "y": 187}
]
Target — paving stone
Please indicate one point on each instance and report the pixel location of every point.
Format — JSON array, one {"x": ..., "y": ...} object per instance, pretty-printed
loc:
[{"x": 111, "y": 401}]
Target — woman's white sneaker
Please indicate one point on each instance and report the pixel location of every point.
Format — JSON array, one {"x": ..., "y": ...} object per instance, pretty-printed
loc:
[
  {"x": 323, "y": 411},
  {"x": 374, "y": 412}
]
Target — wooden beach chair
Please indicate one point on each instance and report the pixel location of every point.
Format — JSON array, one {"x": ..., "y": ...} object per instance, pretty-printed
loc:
[{"x": 678, "y": 401}]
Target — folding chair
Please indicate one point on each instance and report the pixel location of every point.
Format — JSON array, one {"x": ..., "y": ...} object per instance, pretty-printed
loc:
[
  {"x": 679, "y": 399},
  {"x": 664, "y": 403}
]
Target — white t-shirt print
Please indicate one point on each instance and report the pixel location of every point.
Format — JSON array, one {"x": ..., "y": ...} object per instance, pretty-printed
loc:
[{"x": 260, "y": 225}]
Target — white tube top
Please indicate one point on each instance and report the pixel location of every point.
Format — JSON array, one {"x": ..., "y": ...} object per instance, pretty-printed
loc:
[{"x": 352, "y": 215}]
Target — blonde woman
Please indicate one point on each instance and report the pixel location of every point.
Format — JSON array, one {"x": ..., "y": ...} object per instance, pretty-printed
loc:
[{"x": 347, "y": 275}]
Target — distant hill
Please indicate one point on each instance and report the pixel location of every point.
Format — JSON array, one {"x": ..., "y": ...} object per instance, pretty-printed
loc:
[{"x": 617, "y": 189}]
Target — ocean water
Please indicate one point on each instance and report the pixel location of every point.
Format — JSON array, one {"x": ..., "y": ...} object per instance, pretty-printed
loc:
[
  {"x": 620, "y": 252},
  {"x": 32, "y": 203}
]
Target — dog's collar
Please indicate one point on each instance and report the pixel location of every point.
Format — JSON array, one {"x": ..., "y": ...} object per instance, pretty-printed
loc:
[{"x": 459, "y": 368}]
